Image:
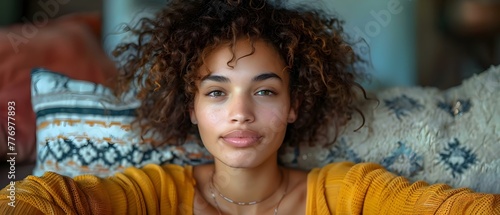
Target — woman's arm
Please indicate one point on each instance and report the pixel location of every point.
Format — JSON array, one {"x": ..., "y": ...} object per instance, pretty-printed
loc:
[
  {"x": 55, "y": 194},
  {"x": 150, "y": 190},
  {"x": 370, "y": 189}
]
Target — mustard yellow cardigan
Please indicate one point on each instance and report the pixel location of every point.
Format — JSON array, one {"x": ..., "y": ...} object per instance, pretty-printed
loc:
[{"x": 338, "y": 188}]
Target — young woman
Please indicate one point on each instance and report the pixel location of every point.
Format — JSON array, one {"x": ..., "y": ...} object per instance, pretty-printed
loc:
[{"x": 247, "y": 77}]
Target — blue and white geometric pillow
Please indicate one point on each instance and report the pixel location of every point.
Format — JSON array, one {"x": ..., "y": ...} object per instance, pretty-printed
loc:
[
  {"x": 439, "y": 136},
  {"x": 82, "y": 128}
]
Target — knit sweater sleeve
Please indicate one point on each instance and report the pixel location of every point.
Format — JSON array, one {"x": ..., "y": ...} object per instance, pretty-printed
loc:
[
  {"x": 150, "y": 190},
  {"x": 345, "y": 188}
]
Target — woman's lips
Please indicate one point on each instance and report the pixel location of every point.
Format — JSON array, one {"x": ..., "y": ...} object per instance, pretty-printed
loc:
[{"x": 241, "y": 138}]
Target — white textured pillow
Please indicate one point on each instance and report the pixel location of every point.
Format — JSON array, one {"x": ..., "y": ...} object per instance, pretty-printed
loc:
[{"x": 450, "y": 136}]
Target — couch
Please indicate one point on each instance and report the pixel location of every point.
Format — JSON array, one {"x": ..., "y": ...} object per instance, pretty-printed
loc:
[{"x": 68, "y": 121}]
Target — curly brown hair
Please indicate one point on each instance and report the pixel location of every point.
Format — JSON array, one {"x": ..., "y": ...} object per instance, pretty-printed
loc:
[{"x": 171, "y": 47}]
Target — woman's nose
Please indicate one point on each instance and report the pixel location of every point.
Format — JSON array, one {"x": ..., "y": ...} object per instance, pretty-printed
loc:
[{"x": 241, "y": 109}]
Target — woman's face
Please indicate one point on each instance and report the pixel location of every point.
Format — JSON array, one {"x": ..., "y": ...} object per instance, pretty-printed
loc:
[{"x": 242, "y": 112}]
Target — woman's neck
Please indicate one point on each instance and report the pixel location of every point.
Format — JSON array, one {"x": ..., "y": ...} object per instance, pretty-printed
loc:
[{"x": 247, "y": 184}]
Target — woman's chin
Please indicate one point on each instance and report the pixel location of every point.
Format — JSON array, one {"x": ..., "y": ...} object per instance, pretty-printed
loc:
[
  {"x": 238, "y": 164},
  {"x": 242, "y": 157},
  {"x": 240, "y": 161}
]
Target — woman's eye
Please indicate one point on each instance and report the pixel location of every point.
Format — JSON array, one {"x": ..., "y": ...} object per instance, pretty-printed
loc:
[
  {"x": 215, "y": 93},
  {"x": 265, "y": 93}
]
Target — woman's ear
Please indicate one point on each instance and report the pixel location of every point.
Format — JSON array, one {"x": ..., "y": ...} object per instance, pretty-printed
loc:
[
  {"x": 192, "y": 115},
  {"x": 294, "y": 111}
]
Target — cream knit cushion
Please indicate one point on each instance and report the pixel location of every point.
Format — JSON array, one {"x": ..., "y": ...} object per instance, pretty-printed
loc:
[{"x": 450, "y": 136}]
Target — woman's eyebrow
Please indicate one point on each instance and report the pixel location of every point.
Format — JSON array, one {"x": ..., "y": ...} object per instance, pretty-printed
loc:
[
  {"x": 216, "y": 78},
  {"x": 266, "y": 76}
]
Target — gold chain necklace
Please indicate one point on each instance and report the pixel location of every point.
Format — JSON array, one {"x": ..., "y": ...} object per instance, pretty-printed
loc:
[{"x": 212, "y": 187}]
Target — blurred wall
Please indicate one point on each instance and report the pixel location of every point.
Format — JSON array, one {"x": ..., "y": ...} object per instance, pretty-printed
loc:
[
  {"x": 119, "y": 13},
  {"x": 389, "y": 29}
]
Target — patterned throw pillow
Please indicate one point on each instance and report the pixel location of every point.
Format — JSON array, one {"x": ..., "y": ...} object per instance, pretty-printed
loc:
[
  {"x": 438, "y": 136},
  {"x": 82, "y": 128}
]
